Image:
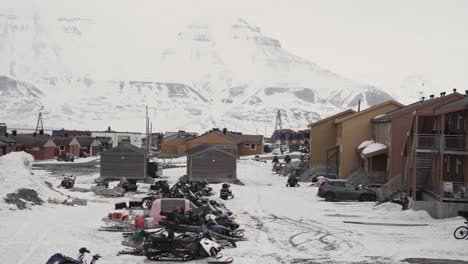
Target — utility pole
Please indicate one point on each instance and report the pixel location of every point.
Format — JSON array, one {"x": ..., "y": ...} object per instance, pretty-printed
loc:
[{"x": 39, "y": 121}]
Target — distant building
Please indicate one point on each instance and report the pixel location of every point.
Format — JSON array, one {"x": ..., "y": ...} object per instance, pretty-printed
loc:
[
  {"x": 134, "y": 138},
  {"x": 66, "y": 145},
  {"x": 41, "y": 146},
  {"x": 7, "y": 144},
  {"x": 3, "y": 129},
  {"x": 70, "y": 133},
  {"x": 212, "y": 163},
  {"x": 244, "y": 145},
  {"x": 176, "y": 144},
  {"x": 156, "y": 140},
  {"x": 88, "y": 146}
]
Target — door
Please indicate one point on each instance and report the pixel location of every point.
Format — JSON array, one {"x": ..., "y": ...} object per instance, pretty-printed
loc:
[
  {"x": 340, "y": 190},
  {"x": 350, "y": 192}
]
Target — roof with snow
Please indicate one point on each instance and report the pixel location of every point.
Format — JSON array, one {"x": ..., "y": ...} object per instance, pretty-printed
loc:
[
  {"x": 8, "y": 140},
  {"x": 205, "y": 147},
  {"x": 374, "y": 149},
  {"x": 366, "y": 143}
]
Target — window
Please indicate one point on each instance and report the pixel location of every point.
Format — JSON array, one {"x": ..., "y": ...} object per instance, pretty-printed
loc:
[
  {"x": 253, "y": 147},
  {"x": 62, "y": 148},
  {"x": 246, "y": 145},
  {"x": 349, "y": 186},
  {"x": 338, "y": 183}
]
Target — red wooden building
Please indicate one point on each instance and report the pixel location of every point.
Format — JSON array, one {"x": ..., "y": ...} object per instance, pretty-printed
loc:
[
  {"x": 89, "y": 145},
  {"x": 67, "y": 145},
  {"x": 40, "y": 146}
]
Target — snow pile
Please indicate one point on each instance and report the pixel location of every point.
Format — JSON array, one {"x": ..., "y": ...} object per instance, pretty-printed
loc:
[
  {"x": 366, "y": 143},
  {"x": 373, "y": 148},
  {"x": 393, "y": 211},
  {"x": 17, "y": 182}
]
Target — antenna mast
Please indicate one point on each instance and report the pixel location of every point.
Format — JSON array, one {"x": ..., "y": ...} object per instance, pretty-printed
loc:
[
  {"x": 39, "y": 121},
  {"x": 278, "y": 126}
]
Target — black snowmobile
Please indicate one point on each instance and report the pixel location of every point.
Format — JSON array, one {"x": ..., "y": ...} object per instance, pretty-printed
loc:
[
  {"x": 128, "y": 185},
  {"x": 68, "y": 182},
  {"x": 293, "y": 181},
  {"x": 171, "y": 246},
  {"x": 62, "y": 259},
  {"x": 225, "y": 192}
]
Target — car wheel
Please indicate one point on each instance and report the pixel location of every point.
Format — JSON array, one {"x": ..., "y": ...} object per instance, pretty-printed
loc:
[
  {"x": 329, "y": 197},
  {"x": 364, "y": 198}
]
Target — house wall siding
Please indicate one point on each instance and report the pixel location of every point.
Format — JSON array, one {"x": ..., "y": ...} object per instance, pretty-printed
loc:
[
  {"x": 213, "y": 166},
  {"x": 211, "y": 139},
  {"x": 354, "y": 132},
  {"x": 246, "y": 151},
  {"x": 115, "y": 165}
]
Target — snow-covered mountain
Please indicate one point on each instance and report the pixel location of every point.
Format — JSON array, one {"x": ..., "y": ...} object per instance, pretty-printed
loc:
[{"x": 212, "y": 74}]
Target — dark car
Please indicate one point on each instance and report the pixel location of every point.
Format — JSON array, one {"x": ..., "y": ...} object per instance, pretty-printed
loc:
[
  {"x": 339, "y": 190},
  {"x": 66, "y": 157}
]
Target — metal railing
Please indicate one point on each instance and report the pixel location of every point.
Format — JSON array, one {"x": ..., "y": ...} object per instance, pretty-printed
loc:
[
  {"x": 455, "y": 190},
  {"x": 455, "y": 142},
  {"x": 428, "y": 141}
]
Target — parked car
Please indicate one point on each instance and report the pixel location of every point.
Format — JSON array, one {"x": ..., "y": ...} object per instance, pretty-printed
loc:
[
  {"x": 66, "y": 157},
  {"x": 339, "y": 190},
  {"x": 168, "y": 205}
]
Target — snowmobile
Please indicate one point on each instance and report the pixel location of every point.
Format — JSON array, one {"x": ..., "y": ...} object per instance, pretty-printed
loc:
[
  {"x": 225, "y": 192},
  {"x": 128, "y": 185},
  {"x": 62, "y": 259},
  {"x": 293, "y": 181},
  {"x": 68, "y": 182},
  {"x": 168, "y": 245}
]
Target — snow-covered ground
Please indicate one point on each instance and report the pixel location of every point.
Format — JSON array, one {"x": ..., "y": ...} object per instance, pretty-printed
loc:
[
  {"x": 283, "y": 225},
  {"x": 77, "y": 160}
]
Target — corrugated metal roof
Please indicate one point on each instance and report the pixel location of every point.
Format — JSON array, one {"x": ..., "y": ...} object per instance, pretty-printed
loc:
[
  {"x": 460, "y": 102},
  {"x": 61, "y": 141},
  {"x": 414, "y": 106},
  {"x": 8, "y": 139},
  {"x": 372, "y": 108},
  {"x": 205, "y": 147},
  {"x": 125, "y": 147},
  {"x": 31, "y": 140},
  {"x": 85, "y": 141}
]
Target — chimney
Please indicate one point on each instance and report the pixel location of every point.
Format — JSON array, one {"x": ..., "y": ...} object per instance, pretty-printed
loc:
[
  {"x": 454, "y": 90},
  {"x": 224, "y": 130},
  {"x": 14, "y": 132},
  {"x": 34, "y": 134},
  {"x": 108, "y": 129},
  {"x": 442, "y": 94},
  {"x": 41, "y": 132},
  {"x": 6, "y": 134},
  {"x": 422, "y": 99},
  {"x": 431, "y": 96}
]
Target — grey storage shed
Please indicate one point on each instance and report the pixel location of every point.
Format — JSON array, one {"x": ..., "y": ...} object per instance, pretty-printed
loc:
[
  {"x": 212, "y": 163},
  {"x": 124, "y": 160}
]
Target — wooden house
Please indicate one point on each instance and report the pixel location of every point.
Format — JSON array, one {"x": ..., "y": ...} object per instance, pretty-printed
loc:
[
  {"x": 244, "y": 145},
  {"x": 89, "y": 145},
  {"x": 176, "y": 145},
  {"x": 66, "y": 145},
  {"x": 124, "y": 160},
  {"x": 350, "y": 130},
  {"x": 391, "y": 129},
  {"x": 40, "y": 146},
  {"x": 7, "y": 145},
  {"x": 212, "y": 163}
]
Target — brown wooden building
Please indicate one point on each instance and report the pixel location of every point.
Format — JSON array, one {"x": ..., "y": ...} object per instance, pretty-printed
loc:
[
  {"x": 212, "y": 163},
  {"x": 66, "y": 145},
  {"x": 42, "y": 147},
  {"x": 350, "y": 130},
  {"x": 175, "y": 146},
  {"x": 391, "y": 130},
  {"x": 437, "y": 152},
  {"x": 244, "y": 145},
  {"x": 323, "y": 134}
]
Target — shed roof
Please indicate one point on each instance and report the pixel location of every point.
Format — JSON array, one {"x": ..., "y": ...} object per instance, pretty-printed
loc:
[
  {"x": 6, "y": 139},
  {"x": 86, "y": 141},
  {"x": 414, "y": 106},
  {"x": 31, "y": 140},
  {"x": 62, "y": 141},
  {"x": 125, "y": 147},
  {"x": 332, "y": 117},
  {"x": 237, "y": 138},
  {"x": 206, "y": 147},
  {"x": 370, "y": 109}
]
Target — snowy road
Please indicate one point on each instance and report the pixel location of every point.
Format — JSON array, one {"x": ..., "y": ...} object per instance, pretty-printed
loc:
[{"x": 284, "y": 225}]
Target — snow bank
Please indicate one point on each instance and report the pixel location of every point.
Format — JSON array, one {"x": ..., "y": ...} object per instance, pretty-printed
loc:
[
  {"x": 393, "y": 211},
  {"x": 365, "y": 144},
  {"x": 373, "y": 148},
  {"x": 15, "y": 174}
]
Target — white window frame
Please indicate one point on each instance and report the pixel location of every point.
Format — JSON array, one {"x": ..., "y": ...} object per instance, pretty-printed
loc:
[
  {"x": 62, "y": 148},
  {"x": 254, "y": 146}
]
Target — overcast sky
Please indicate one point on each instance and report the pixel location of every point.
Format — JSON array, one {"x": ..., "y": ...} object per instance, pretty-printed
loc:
[{"x": 380, "y": 42}]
